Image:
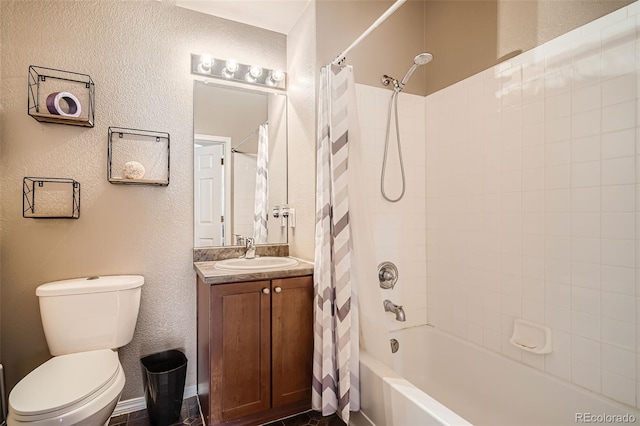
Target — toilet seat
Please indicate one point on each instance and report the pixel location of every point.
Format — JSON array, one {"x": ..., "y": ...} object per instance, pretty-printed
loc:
[{"x": 63, "y": 384}]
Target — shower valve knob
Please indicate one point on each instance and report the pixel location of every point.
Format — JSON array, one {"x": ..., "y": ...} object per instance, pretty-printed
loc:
[{"x": 387, "y": 275}]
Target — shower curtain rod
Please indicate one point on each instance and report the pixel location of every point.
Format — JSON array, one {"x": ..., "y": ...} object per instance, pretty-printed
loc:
[
  {"x": 234, "y": 149},
  {"x": 341, "y": 57}
]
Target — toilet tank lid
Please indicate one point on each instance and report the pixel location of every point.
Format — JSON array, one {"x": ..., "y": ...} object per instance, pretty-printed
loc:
[{"x": 86, "y": 285}]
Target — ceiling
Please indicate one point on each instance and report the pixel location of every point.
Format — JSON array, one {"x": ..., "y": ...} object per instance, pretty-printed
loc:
[{"x": 275, "y": 15}]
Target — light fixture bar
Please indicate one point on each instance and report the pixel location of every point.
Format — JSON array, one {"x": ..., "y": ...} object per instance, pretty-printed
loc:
[{"x": 232, "y": 70}]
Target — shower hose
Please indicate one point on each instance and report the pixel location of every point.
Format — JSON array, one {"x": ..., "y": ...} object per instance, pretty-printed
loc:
[{"x": 393, "y": 105}]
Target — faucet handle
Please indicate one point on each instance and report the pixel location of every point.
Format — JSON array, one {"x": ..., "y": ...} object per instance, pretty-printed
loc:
[{"x": 249, "y": 242}]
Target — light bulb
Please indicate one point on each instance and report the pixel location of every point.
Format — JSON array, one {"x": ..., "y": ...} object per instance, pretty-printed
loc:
[
  {"x": 232, "y": 65},
  {"x": 255, "y": 71},
  {"x": 277, "y": 75},
  {"x": 249, "y": 78},
  {"x": 205, "y": 64},
  {"x": 206, "y": 61}
]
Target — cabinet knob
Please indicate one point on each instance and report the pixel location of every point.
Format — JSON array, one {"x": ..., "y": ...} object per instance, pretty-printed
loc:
[
  {"x": 277, "y": 289},
  {"x": 265, "y": 291}
]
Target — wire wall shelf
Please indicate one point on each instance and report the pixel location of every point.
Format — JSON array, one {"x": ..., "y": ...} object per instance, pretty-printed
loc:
[
  {"x": 62, "y": 97},
  {"x": 138, "y": 157},
  {"x": 50, "y": 198}
]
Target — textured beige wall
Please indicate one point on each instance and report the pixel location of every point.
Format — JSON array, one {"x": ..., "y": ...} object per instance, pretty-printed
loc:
[
  {"x": 525, "y": 24},
  {"x": 461, "y": 35},
  {"x": 301, "y": 47},
  {"x": 469, "y": 36},
  {"x": 138, "y": 54}
]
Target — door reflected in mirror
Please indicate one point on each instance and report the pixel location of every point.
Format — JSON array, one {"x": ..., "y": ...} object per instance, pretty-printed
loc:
[{"x": 240, "y": 165}]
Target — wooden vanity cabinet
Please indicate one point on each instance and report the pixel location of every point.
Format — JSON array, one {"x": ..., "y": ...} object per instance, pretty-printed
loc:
[{"x": 255, "y": 349}]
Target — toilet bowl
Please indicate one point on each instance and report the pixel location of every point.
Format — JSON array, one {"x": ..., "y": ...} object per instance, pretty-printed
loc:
[
  {"x": 85, "y": 320},
  {"x": 75, "y": 389}
]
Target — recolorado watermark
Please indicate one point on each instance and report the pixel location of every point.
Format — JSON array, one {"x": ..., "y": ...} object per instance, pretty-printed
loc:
[{"x": 604, "y": 418}]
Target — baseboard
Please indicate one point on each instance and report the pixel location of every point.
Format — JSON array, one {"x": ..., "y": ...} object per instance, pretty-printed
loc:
[
  {"x": 129, "y": 406},
  {"x": 358, "y": 418},
  {"x": 137, "y": 404}
]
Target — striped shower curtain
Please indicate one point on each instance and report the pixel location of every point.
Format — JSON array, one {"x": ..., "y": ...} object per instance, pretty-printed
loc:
[
  {"x": 261, "y": 206},
  {"x": 336, "y": 345}
]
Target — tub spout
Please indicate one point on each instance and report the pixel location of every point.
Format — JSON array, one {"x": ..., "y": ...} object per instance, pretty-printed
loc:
[{"x": 389, "y": 306}]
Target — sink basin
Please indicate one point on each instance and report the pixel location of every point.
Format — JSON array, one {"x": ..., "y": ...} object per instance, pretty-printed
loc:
[{"x": 266, "y": 262}]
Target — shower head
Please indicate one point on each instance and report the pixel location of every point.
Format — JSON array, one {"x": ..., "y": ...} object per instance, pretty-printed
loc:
[{"x": 421, "y": 59}]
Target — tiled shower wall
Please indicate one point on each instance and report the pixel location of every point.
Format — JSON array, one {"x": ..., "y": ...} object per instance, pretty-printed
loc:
[
  {"x": 533, "y": 205},
  {"x": 399, "y": 229}
]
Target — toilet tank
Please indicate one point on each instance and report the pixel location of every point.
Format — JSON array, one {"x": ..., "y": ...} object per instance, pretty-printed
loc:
[{"x": 85, "y": 314}]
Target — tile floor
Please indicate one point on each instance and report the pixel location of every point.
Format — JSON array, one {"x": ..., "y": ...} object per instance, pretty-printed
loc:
[
  {"x": 310, "y": 418},
  {"x": 190, "y": 415}
]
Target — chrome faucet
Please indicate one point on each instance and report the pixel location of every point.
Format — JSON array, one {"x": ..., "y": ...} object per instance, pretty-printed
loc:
[
  {"x": 389, "y": 306},
  {"x": 250, "y": 247}
]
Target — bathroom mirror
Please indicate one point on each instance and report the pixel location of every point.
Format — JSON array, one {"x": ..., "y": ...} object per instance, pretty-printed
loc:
[{"x": 227, "y": 123}]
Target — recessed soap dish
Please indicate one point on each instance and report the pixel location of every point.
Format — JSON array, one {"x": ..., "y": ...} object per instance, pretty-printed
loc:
[{"x": 531, "y": 337}]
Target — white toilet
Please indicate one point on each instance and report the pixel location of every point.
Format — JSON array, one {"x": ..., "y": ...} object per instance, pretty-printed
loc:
[{"x": 84, "y": 321}]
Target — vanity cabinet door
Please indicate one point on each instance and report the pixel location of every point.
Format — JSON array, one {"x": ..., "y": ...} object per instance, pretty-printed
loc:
[
  {"x": 240, "y": 322},
  {"x": 292, "y": 340}
]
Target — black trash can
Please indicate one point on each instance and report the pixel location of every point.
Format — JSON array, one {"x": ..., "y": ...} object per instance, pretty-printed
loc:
[{"x": 163, "y": 376}]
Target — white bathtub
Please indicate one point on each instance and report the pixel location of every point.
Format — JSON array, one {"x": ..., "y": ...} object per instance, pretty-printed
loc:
[{"x": 459, "y": 383}]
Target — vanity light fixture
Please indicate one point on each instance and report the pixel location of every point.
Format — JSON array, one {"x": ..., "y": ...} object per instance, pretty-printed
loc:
[{"x": 231, "y": 69}]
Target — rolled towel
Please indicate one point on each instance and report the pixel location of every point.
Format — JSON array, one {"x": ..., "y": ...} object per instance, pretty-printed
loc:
[{"x": 133, "y": 170}]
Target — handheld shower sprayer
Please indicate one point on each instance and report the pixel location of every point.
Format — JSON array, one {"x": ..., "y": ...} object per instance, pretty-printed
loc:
[{"x": 421, "y": 59}]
